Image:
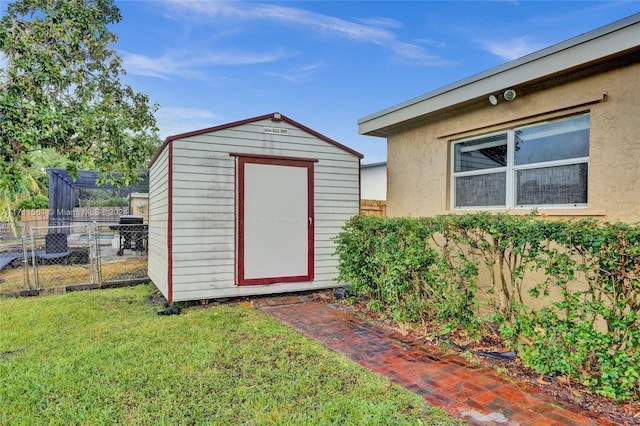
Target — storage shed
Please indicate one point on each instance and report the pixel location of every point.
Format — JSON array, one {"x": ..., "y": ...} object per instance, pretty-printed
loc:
[{"x": 248, "y": 208}]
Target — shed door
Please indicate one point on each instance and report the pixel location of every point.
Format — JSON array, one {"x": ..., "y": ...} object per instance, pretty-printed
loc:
[{"x": 275, "y": 220}]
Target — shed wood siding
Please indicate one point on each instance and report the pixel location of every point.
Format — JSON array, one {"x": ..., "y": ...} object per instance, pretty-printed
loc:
[
  {"x": 204, "y": 205},
  {"x": 158, "y": 221}
]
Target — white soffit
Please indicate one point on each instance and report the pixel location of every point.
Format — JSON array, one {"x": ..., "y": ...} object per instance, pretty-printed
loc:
[{"x": 606, "y": 41}]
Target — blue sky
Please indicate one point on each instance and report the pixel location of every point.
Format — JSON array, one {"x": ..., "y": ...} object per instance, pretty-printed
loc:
[{"x": 326, "y": 64}]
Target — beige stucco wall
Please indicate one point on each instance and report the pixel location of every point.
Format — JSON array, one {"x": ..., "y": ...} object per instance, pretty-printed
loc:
[
  {"x": 418, "y": 161},
  {"x": 140, "y": 205}
]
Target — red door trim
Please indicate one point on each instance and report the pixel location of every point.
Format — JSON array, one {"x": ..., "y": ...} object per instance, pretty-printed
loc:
[
  {"x": 278, "y": 161},
  {"x": 272, "y": 157}
]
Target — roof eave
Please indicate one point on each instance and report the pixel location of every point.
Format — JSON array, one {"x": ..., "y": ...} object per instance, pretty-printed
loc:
[
  {"x": 275, "y": 116},
  {"x": 607, "y": 41}
]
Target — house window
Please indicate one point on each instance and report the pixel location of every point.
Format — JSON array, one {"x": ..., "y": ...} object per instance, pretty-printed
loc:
[{"x": 542, "y": 165}]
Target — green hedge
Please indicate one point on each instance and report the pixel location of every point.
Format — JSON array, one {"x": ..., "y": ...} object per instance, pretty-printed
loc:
[{"x": 428, "y": 268}]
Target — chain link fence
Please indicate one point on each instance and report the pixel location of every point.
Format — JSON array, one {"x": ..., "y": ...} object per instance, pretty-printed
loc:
[
  {"x": 122, "y": 253},
  {"x": 50, "y": 259}
]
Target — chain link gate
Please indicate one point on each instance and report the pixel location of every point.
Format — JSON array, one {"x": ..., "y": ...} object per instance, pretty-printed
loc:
[
  {"x": 123, "y": 257},
  {"x": 63, "y": 255},
  {"x": 72, "y": 257}
]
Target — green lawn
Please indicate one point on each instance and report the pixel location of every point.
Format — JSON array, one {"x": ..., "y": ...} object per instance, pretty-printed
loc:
[{"x": 105, "y": 357}]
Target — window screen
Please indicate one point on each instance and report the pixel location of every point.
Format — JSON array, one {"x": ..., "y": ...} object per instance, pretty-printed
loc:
[{"x": 546, "y": 164}]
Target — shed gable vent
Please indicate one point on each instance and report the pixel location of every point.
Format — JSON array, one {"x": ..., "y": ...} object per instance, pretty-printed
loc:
[{"x": 276, "y": 130}]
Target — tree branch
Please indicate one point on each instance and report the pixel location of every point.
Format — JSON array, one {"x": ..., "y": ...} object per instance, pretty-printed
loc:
[{"x": 63, "y": 149}]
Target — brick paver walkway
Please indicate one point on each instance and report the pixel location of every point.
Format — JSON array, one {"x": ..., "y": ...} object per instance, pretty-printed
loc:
[{"x": 475, "y": 393}]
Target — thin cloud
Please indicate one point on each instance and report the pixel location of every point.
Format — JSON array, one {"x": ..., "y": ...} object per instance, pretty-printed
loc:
[
  {"x": 298, "y": 74},
  {"x": 288, "y": 77},
  {"x": 518, "y": 47},
  {"x": 513, "y": 48},
  {"x": 143, "y": 65},
  {"x": 570, "y": 16},
  {"x": 326, "y": 25},
  {"x": 410, "y": 53},
  {"x": 185, "y": 63},
  {"x": 312, "y": 67},
  {"x": 439, "y": 44},
  {"x": 176, "y": 120},
  {"x": 311, "y": 20},
  {"x": 381, "y": 22}
]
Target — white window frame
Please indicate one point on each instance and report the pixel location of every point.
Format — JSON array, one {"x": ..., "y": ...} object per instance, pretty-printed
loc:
[{"x": 511, "y": 169}]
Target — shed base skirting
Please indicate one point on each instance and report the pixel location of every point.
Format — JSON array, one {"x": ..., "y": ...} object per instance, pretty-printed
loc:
[{"x": 258, "y": 290}]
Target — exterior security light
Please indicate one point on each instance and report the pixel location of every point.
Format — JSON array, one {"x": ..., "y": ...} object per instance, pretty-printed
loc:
[
  {"x": 493, "y": 99},
  {"x": 509, "y": 95}
]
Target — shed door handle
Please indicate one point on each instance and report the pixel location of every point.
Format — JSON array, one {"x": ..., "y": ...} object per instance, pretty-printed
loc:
[{"x": 310, "y": 221}]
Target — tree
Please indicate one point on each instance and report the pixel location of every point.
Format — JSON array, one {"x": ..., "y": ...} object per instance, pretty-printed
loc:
[
  {"x": 60, "y": 88},
  {"x": 35, "y": 183}
]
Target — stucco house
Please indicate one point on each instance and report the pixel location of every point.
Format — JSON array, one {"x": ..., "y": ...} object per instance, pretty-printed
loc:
[{"x": 557, "y": 130}]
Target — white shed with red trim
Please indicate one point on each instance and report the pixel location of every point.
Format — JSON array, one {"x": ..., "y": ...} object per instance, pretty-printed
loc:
[{"x": 248, "y": 208}]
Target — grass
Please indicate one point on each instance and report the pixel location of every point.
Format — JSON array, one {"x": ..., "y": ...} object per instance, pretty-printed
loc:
[{"x": 105, "y": 357}]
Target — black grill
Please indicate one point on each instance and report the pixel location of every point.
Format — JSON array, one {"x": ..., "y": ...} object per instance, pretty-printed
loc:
[
  {"x": 131, "y": 220},
  {"x": 133, "y": 234}
]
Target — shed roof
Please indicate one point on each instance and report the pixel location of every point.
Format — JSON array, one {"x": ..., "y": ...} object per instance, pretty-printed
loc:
[
  {"x": 367, "y": 166},
  {"x": 603, "y": 43},
  {"x": 276, "y": 117}
]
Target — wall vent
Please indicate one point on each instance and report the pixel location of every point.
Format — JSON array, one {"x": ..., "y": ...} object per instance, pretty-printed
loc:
[{"x": 276, "y": 130}]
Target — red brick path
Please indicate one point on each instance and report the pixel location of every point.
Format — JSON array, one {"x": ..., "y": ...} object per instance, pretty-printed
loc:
[{"x": 475, "y": 393}]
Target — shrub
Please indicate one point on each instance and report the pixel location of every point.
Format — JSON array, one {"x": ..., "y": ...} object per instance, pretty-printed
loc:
[
  {"x": 428, "y": 268},
  {"x": 393, "y": 260},
  {"x": 37, "y": 202}
]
